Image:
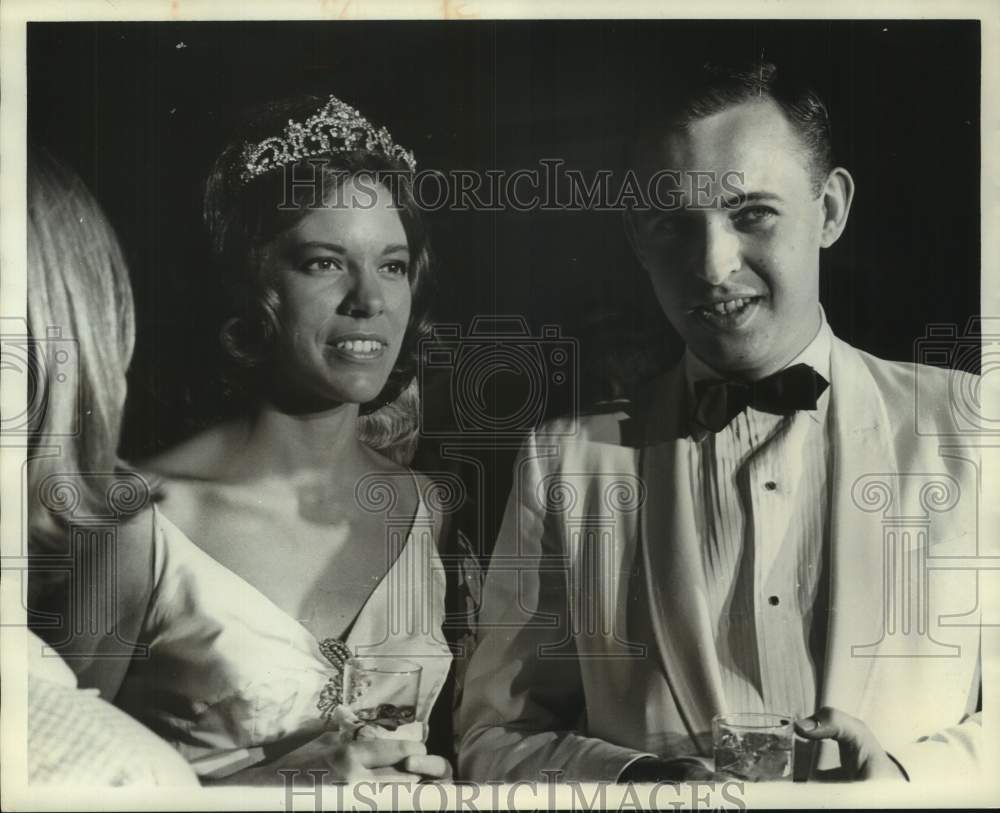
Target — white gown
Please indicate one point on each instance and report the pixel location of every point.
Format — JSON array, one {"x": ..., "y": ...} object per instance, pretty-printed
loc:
[{"x": 228, "y": 673}]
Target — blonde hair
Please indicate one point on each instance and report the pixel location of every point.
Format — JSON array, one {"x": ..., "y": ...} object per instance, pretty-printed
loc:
[
  {"x": 80, "y": 301},
  {"x": 393, "y": 430}
]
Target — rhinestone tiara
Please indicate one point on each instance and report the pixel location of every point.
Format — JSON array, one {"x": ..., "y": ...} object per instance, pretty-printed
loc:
[{"x": 334, "y": 128}]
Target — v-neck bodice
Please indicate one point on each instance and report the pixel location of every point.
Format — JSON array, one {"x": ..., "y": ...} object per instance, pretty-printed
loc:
[{"x": 229, "y": 672}]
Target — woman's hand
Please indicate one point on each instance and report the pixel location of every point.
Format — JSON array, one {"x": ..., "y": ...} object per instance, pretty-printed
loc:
[
  {"x": 352, "y": 760},
  {"x": 429, "y": 767}
]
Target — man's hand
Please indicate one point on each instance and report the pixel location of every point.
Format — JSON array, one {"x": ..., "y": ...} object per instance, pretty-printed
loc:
[
  {"x": 680, "y": 769},
  {"x": 861, "y": 755}
]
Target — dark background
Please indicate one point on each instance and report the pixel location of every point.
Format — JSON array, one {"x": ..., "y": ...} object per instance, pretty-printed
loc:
[{"x": 141, "y": 109}]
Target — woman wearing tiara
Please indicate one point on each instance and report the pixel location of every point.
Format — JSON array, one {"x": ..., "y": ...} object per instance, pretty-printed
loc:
[{"x": 294, "y": 536}]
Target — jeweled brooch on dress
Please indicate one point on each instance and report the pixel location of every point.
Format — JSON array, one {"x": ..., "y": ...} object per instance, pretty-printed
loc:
[{"x": 332, "y": 695}]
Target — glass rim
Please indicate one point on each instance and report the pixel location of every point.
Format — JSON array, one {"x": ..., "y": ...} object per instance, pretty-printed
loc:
[
  {"x": 384, "y": 666},
  {"x": 755, "y": 719}
]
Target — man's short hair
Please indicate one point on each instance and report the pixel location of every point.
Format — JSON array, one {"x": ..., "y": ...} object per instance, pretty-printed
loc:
[{"x": 714, "y": 87}]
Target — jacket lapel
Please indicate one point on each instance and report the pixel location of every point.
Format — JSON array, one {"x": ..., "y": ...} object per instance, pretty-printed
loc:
[
  {"x": 862, "y": 450},
  {"x": 672, "y": 563}
]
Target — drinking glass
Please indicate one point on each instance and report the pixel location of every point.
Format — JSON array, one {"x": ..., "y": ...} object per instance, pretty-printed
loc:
[
  {"x": 382, "y": 691},
  {"x": 755, "y": 747}
]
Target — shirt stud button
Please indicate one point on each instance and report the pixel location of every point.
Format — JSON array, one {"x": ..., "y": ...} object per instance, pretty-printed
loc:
[
  {"x": 770, "y": 485},
  {"x": 774, "y": 601}
]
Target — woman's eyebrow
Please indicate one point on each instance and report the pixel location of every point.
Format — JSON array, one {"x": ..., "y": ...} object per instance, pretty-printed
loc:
[
  {"x": 336, "y": 247},
  {"x": 392, "y": 248}
]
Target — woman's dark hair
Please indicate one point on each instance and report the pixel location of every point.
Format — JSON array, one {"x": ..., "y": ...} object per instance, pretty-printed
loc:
[{"x": 243, "y": 217}]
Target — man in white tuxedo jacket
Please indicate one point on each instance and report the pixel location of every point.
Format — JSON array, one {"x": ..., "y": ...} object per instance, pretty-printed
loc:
[{"x": 781, "y": 523}]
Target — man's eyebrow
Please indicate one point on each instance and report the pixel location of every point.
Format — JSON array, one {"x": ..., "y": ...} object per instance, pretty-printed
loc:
[
  {"x": 752, "y": 197},
  {"x": 392, "y": 248}
]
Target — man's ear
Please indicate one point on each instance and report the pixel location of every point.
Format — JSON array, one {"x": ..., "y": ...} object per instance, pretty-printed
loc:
[{"x": 838, "y": 192}]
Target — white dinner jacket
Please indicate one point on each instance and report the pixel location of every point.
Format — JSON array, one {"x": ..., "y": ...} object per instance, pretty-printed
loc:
[{"x": 595, "y": 643}]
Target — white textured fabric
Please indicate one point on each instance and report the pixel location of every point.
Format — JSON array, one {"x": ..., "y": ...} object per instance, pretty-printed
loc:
[
  {"x": 75, "y": 738},
  {"x": 760, "y": 496}
]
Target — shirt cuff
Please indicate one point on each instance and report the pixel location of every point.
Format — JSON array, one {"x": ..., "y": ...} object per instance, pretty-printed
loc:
[
  {"x": 930, "y": 761},
  {"x": 635, "y": 758}
]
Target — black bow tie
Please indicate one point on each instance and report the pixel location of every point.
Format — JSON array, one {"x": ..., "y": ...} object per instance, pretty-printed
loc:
[{"x": 787, "y": 391}]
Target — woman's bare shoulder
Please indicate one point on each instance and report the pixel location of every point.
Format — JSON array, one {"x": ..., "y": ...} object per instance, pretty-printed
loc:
[
  {"x": 380, "y": 464},
  {"x": 204, "y": 456},
  {"x": 412, "y": 487},
  {"x": 192, "y": 475},
  {"x": 133, "y": 550}
]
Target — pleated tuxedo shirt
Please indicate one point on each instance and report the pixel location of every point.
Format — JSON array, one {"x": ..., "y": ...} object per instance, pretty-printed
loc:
[{"x": 761, "y": 495}]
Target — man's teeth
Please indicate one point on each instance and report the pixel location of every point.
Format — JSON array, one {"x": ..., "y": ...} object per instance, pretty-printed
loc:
[
  {"x": 722, "y": 308},
  {"x": 359, "y": 345}
]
